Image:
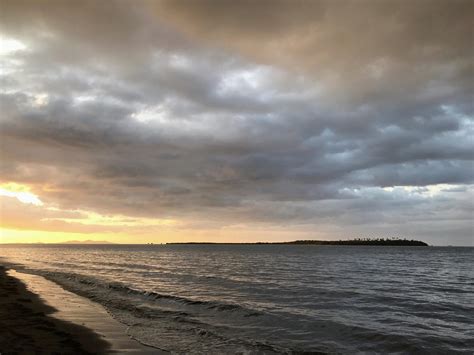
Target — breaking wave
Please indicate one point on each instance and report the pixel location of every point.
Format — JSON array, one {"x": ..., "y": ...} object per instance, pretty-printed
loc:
[{"x": 168, "y": 322}]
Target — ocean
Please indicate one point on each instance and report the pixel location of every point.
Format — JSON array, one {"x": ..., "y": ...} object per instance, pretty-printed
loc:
[{"x": 258, "y": 299}]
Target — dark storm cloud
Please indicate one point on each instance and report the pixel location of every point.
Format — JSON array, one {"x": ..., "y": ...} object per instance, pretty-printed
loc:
[
  {"x": 357, "y": 44},
  {"x": 290, "y": 113}
]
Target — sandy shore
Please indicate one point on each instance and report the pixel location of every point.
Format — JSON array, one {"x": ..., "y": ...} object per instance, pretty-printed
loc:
[{"x": 38, "y": 316}]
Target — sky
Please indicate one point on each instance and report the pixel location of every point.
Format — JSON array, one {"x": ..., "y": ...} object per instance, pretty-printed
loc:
[{"x": 236, "y": 121}]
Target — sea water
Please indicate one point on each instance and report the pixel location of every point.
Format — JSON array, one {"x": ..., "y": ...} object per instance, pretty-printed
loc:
[{"x": 272, "y": 298}]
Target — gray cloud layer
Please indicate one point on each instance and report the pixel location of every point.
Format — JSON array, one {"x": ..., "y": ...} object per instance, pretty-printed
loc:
[{"x": 295, "y": 114}]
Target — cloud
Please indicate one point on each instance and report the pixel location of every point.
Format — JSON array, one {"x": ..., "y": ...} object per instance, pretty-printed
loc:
[
  {"x": 218, "y": 113},
  {"x": 354, "y": 47}
]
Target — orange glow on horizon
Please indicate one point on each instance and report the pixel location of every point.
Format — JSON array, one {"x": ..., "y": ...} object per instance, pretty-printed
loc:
[
  {"x": 32, "y": 236},
  {"x": 33, "y": 221},
  {"x": 25, "y": 218}
]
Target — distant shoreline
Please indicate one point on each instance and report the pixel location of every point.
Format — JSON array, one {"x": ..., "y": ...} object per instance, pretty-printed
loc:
[
  {"x": 348, "y": 242},
  {"x": 356, "y": 242}
]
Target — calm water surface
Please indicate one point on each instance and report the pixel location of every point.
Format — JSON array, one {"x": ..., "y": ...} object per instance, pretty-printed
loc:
[{"x": 273, "y": 298}]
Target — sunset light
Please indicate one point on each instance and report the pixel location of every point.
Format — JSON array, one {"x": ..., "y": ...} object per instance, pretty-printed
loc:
[
  {"x": 20, "y": 192},
  {"x": 10, "y": 45}
]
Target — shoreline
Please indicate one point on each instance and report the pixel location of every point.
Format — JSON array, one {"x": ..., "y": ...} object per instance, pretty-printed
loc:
[{"x": 39, "y": 316}]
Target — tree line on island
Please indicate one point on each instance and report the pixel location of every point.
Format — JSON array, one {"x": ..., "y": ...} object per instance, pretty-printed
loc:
[
  {"x": 356, "y": 241},
  {"x": 361, "y": 241}
]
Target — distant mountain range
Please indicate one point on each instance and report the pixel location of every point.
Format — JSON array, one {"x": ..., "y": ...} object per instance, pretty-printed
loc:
[{"x": 86, "y": 242}]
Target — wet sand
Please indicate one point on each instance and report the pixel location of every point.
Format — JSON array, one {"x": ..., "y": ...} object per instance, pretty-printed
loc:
[{"x": 38, "y": 316}]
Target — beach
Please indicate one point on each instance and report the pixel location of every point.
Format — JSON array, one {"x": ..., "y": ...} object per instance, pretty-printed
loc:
[{"x": 38, "y": 316}]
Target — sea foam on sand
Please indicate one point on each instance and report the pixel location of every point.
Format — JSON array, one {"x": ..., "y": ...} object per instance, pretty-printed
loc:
[{"x": 43, "y": 317}]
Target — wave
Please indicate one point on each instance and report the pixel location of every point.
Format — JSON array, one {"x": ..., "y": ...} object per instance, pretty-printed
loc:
[
  {"x": 168, "y": 322},
  {"x": 151, "y": 295},
  {"x": 175, "y": 307}
]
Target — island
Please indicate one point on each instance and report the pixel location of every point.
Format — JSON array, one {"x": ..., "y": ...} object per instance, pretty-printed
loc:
[{"x": 356, "y": 241}]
